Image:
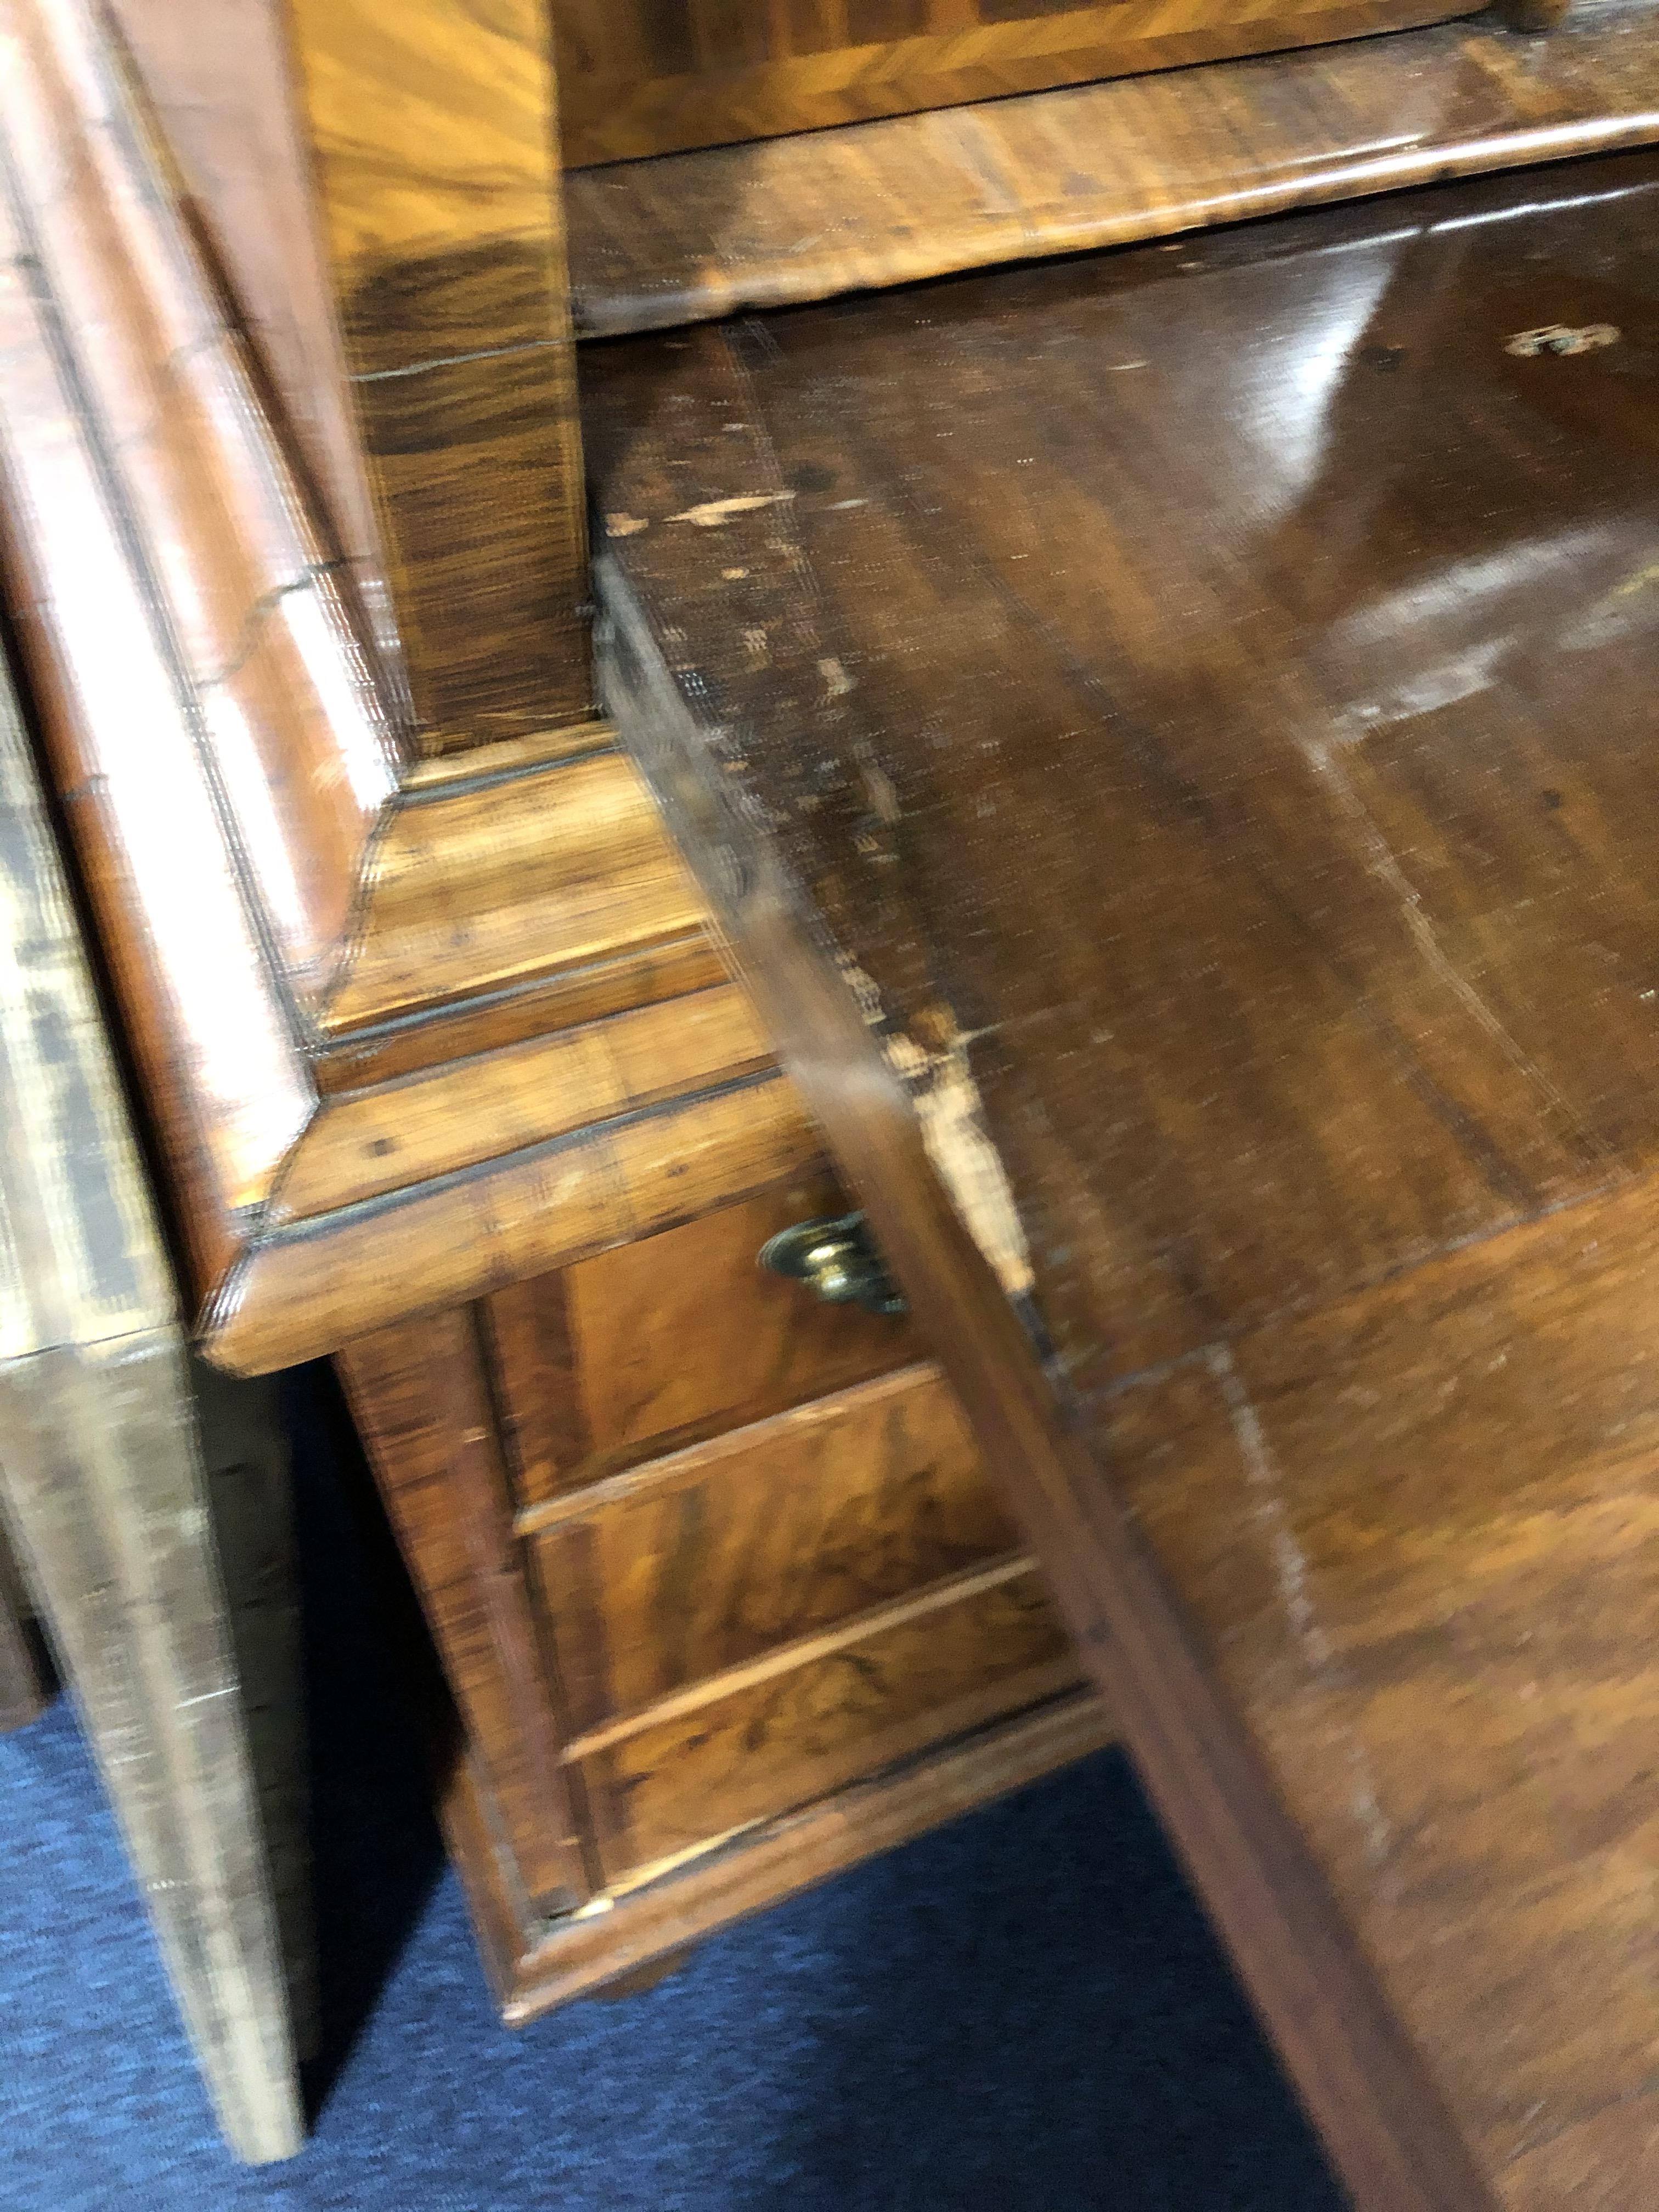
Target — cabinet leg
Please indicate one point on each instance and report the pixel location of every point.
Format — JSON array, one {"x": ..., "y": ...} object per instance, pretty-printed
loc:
[
  {"x": 106, "y": 1499},
  {"x": 25, "y": 1682}
]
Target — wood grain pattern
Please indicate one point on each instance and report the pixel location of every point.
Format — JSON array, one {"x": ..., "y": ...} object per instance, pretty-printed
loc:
[
  {"x": 801, "y": 1735},
  {"x": 636, "y": 80},
  {"x": 434, "y": 132},
  {"x": 302, "y": 1291},
  {"x": 665, "y": 1715},
  {"x": 215, "y": 1005},
  {"x": 220, "y": 76},
  {"x": 729, "y": 1549},
  {"x": 106, "y": 1494},
  {"x": 1213, "y": 692},
  {"x": 246, "y": 1463},
  {"x": 694, "y": 237},
  {"x": 727, "y": 1633},
  {"x": 504, "y": 1045},
  {"x": 116, "y": 578},
  {"x": 556, "y": 886},
  {"x": 333, "y": 933},
  {"x": 586, "y": 1391},
  {"x": 371, "y": 1144},
  {"x": 252, "y": 611},
  {"x": 1362, "y": 2080}
]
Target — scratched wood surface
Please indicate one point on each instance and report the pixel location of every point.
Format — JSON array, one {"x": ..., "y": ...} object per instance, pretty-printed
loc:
[
  {"x": 637, "y": 80},
  {"x": 695, "y": 236},
  {"x": 105, "y": 1493},
  {"x": 1202, "y": 700},
  {"x": 357, "y": 921}
]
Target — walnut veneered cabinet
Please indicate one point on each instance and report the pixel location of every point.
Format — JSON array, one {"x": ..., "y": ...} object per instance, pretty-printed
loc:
[
  {"x": 637, "y": 79},
  {"x": 450, "y": 1075}
]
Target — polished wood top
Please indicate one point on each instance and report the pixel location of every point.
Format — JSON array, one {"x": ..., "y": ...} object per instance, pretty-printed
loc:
[
  {"x": 693, "y": 236},
  {"x": 1179, "y": 722}
]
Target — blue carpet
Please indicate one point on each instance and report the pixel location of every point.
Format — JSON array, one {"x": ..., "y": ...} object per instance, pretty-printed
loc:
[{"x": 1024, "y": 2008}]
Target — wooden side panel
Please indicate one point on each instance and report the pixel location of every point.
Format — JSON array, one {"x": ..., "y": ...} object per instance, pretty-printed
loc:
[
  {"x": 434, "y": 132},
  {"x": 638, "y": 79},
  {"x": 421, "y": 1399},
  {"x": 736, "y": 1547},
  {"x": 242, "y": 605},
  {"x": 246, "y": 1460},
  {"x": 218, "y": 71},
  {"x": 585, "y": 1389},
  {"x": 795, "y": 1737}
]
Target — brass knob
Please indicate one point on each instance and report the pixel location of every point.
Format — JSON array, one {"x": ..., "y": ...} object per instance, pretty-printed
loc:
[{"x": 837, "y": 1261}]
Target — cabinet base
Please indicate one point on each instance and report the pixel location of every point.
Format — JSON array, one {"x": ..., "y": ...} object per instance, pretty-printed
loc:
[{"x": 534, "y": 1965}]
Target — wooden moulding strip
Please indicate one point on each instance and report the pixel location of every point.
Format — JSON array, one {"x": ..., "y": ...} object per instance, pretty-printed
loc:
[
  {"x": 631, "y": 105},
  {"x": 305, "y": 1290},
  {"x": 526, "y": 1007},
  {"x": 533, "y": 1968},
  {"x": 397, "y": 1136},
  {"x": 802, "y": 1651},
  {"x": 444, "y": 772},
  {"x": 481, "y": 885},
  {"x": 691, "y": 237}
]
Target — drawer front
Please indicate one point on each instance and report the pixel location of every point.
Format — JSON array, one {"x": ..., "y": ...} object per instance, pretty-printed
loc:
[
  {"x": 777, "y": 1743},
  {"x": 659, "y": 1344},
  {"x": 706, "y": 1560}
]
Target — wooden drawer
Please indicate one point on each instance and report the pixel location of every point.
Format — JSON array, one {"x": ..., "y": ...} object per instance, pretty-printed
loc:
[
  {"x": 701, "y": 1553},
  {"x": 704, "y": 1561},
  {"x": 984, "y": 1646},
  {"x": 658, "y": 1345}
]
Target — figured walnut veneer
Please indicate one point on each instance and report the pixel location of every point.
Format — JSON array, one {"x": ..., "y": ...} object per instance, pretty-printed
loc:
[
  {"x": 639, "y": 80},
  {"x": 695, "y": 236}
]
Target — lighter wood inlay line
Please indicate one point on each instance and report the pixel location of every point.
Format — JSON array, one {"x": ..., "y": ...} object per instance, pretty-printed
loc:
[
  {"x": 786, "y": 1658},
  {"x": 675, "y": 1470}
]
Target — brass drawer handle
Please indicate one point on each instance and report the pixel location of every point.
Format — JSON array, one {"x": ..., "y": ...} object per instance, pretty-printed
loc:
[{"x": 836, "y": 1259}]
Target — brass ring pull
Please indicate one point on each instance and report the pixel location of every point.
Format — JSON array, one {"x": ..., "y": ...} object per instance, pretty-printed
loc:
[{"x": 836, "y": 1259}]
